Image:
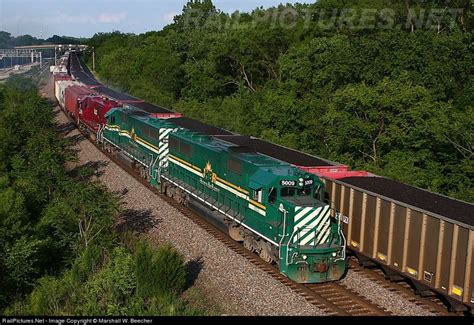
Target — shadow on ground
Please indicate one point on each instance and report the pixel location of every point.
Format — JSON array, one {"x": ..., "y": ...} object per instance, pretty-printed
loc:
[
  {"x": 91, "y": 170},
  {"x": 76, "y": 139},
  {"x": 66, "y": 127},
  {"x": 193, "y": 268},
  {"x": 140, "y": 221}
]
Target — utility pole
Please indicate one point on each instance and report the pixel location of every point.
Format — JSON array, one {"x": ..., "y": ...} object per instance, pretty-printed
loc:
[{"x": 93, "y": 59}]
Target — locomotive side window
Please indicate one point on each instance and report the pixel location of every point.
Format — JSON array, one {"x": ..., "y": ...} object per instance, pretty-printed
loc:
[
  {"x": 272, "y": 195},
  {"x": 257, "y": 195},
  {"x": 112, "y": 119}
]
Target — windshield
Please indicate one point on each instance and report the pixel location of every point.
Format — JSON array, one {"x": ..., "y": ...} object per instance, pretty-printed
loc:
[{"x": 292, "y": 191}]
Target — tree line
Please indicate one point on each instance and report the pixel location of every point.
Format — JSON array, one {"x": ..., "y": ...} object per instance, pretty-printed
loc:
[
  {"x": 61, "y": 252},
  {"x": 8, "y": 41},
  {"x": 395, "y": 100}
]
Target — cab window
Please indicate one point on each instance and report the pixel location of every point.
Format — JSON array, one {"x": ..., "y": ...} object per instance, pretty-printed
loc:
[
  {"x": 272, "y": 195},
  {"x": 288, "y": 191},
  {"x": 257, "y": 195},
  {"x": 321, "y": 195},
  {"x": 305, "y": 191}
]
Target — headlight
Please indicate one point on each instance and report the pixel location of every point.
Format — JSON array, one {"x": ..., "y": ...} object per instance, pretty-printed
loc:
[
  {"x": 305, "y": 257},
  {"x": 334, "y": 254}
]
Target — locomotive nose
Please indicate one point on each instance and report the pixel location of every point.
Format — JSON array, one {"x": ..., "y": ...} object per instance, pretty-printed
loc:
[{"x": 321, "y": 267}]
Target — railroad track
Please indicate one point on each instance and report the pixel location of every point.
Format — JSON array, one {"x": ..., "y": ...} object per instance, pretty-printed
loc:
[{"x": 432, "y": 304}]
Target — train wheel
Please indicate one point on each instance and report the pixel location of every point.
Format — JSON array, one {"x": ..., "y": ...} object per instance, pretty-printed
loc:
[
  {"x": 265, "y": 253},
  {"x": 249, "y": 243},
  {"x": 234, "y": 233}
]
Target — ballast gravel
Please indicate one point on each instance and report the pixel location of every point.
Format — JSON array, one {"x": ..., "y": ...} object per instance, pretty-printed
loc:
[
  {"x": 387, "y": 299},
  {"x": 240, "y": 287}
]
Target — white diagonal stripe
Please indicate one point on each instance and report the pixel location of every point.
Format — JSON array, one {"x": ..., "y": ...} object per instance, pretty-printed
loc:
[
  {"x": 307, "y": 219},
  {"x": 324, "y": 217},
  {"x": 259, "y": 211},
  {"x": 313, "y": 232},
  {"x": 165, "y": 134},
  {"x": 315, "y": 225},
  {"x": 164, "y": 154},
  {"x": 230, "y": 189},
  {"x": 325, "y": 238},
  {"x": 323, "y": 232},
  {"x": 162, "y": 148},
  {"x": 302, "y": 213},
  {"x": 308, "y": 239},
  {"x": 185, "y": 167}
]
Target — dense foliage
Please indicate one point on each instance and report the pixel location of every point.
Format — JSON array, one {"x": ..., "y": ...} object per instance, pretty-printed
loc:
[
  {"x": 390, "y": 92},
  {"x": 60, "y": 252}
]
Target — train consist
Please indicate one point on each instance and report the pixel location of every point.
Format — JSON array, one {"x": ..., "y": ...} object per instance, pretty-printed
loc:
[
  {"x": 281, "y": 203},
  {"x": 276, "y": 210}
]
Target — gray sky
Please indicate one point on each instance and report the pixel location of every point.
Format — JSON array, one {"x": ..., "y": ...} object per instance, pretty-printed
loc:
[{"x": 83, "y": 18}]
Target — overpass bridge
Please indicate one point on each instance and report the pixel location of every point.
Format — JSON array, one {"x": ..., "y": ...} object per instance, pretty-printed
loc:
[
  {"x": 60, "y": 47},
  {"x": 31, "y": 55}
]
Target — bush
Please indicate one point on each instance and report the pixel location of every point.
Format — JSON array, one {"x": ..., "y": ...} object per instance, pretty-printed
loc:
[
  {"x": 47, "y": 297},
  {"x": 108, "y": 291},
  {"x": 159, "y": 272}
]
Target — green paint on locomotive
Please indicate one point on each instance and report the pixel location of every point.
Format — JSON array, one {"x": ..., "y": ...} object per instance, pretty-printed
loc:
[
  {"x": 143, "y": 139},
  {"x": 261, "y": 193},
  {"x": 271, "y": 198}
]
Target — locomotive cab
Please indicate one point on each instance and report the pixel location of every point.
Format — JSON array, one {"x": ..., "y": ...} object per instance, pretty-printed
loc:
[{"x": 312, "y": 246}]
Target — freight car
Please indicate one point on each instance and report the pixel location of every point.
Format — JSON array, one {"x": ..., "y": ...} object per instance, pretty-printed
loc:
[
  {"x": 74, "y": 95},
  {"x": 412, "y": 234},
  {"x": 61, "y": 86},
  {"x": 59, "y": 77},
  {"x": 92, "y": 111},
  {"x": 84, "y": 77}
]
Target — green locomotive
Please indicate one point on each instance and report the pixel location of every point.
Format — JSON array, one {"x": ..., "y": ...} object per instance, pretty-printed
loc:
[{"x": 275, "y": 209}]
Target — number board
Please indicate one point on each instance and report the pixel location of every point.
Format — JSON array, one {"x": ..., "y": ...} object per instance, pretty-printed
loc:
[{"x": 288, "y": 183}]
